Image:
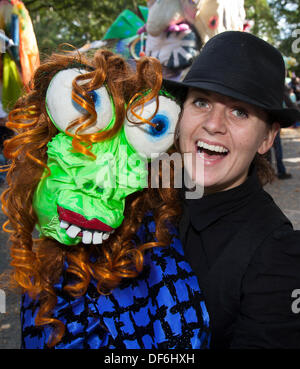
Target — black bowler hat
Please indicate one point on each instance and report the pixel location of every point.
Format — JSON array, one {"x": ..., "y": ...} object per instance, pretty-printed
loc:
[{"x": 244, "y": 67}]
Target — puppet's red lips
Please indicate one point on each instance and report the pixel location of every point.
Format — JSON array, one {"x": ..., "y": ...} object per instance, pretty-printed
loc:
[{"x": 80, "y": 221}]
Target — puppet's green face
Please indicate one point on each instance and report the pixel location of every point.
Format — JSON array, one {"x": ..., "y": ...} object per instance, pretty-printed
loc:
[{"x": 83, "y": 199}]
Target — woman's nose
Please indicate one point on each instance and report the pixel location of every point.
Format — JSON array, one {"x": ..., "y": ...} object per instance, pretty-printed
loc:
[{"x": 215, "y": 121}]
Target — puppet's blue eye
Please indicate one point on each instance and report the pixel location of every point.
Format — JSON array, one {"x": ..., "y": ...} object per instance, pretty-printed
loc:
[
  {"x": 63, "y": 110},
  {"x": 147, "y": 139},
  {"x": 96, "y": 99},
  {"x": 161, "y": 125}
]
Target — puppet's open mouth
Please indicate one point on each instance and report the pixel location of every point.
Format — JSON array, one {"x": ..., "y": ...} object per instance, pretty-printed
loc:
[{"x": 76, "y": 225}]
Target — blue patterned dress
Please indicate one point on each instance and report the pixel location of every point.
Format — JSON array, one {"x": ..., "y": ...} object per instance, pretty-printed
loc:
[{"x": 163, "y": 308}]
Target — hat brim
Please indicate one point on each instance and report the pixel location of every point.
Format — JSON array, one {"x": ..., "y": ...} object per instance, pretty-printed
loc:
[{"x": 285, "y": 116}]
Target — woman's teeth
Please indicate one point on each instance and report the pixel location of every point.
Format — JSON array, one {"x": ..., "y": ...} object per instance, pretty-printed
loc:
[
  {"x": 88, "y": 237},
  {"x": 213, "y": 148}
]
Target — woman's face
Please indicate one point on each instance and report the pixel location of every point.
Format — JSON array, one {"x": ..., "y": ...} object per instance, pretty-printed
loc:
[{"x": 222, "y": 135}]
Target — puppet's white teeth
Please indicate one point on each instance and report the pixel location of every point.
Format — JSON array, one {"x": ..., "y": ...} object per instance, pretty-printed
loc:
[
  {"x": 87, "y": 237},
  {"x": 64, "y": 224},
  {"x": 97, "y": 238},
  {"x": 73, "y": 231},
  {"x": 105, "y": 236}
]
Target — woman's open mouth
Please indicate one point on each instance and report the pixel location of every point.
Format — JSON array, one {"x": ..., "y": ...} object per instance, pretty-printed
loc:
[
  {"x": 211, "y": 152},
  {"x": 76, "y": 225}
]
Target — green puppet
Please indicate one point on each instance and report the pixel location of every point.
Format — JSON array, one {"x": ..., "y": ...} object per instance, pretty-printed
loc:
[{"x": 83, "y": 198}]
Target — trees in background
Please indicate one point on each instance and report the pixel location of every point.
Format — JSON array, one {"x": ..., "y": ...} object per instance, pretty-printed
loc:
[
  {"x": 275, "y": 21},
  {"x": 80, "y": 21},
  {"x": 74, "y": 21},
  {"x": 287, "y": 13},
  {"x": 261, "y": 14}
]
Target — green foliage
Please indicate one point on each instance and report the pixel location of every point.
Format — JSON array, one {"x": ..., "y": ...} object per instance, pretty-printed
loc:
[
  {"x": 265, "y": 25},
  {"x": 275, "y": 21},
  {"x": 288, "y": 9},
  {"x": 288, "y": 12},
  {"x": 80, "y": 21},
  {"x": 74, "y": 21}
]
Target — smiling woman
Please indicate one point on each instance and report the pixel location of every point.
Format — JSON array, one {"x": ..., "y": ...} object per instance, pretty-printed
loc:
[
  {"x": 226, "y": 134},
  {"x": 241, "y": 246}
]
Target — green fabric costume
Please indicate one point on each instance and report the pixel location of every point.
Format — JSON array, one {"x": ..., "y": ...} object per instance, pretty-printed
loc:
[{"x": 93, "y": 189}]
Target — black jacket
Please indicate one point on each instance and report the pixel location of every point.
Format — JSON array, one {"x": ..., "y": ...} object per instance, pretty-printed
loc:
[{"x": 247, "y": 259}]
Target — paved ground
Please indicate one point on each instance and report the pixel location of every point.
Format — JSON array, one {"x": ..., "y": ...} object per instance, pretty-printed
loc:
[
  {"x": 9, "y": 321},
  {"x": 285, "y": 192}
]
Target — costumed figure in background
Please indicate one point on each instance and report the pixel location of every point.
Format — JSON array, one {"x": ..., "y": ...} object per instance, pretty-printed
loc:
[
  {"x": 107, "y": 270},
  {"x": 22, "y": 55},
  {"x": 176, "y": 29},
  {"x": 173, "y": 31},
  {"x": 163, "y": 30},
  {"x": 18, "y": 60},
  {"x": 171, "y": 37},
  {"x": 216, "y": 16}
]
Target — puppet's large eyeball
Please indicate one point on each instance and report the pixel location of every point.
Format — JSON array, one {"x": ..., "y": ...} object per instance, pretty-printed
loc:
[
  {"x": 63, "y": 110},
  {"x": 149, "y": 140}
]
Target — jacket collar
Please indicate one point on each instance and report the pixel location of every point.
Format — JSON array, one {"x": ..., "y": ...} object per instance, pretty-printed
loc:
[{"x": 204, "y": 211}]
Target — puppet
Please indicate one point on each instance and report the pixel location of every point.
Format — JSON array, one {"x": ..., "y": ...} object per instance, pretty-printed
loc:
[
  {"x": 171, "y": 37},
  {"x": 107, "y": 269},
  {"x": 176, "y": 29},
  {"x": 173, "y": 31},
  {"x": 216, "y": 16}
]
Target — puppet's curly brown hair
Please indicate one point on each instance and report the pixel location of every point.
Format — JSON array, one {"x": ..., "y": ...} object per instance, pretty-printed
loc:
[{"x": 38, "y": 263}]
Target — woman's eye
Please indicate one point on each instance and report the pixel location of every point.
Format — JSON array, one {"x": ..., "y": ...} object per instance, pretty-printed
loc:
[
  {"x": 240, "y": 113},
  {"x": 63, "y": 110},
  {"x": 149, "y": 139},
  {"x": 200, "y": 103}
]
